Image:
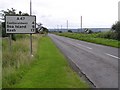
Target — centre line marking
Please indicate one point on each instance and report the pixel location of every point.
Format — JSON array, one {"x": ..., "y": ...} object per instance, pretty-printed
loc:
[
  {"x": 85, "y": 46},
  {"x": 112, "y": 56}
]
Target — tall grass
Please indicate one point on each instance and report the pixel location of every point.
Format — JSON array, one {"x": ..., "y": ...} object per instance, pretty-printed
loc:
[
  {"x": 0, "y": 69},
  {"x": 0, "y": 56},
  {"x": 16, "y": 61}
]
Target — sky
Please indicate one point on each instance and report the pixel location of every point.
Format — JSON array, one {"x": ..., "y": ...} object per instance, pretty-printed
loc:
[{"x": 55, "y": 13}]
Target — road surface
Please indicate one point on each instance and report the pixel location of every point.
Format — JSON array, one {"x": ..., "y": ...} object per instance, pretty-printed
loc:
[{"x": 99, "y": 63}]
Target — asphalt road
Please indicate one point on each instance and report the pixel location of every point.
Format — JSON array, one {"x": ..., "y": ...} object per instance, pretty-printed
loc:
[{"x": 99, "y": 63}]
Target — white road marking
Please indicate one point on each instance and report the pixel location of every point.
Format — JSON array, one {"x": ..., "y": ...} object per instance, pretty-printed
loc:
[
  {"x": 112, "y": 56},
  {"x": 84, "y": 46}
]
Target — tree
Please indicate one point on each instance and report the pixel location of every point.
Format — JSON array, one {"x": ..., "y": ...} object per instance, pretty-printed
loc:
[
  {"x": 25, "y": 14},
  {"x": 116, "y": 27},
  {"x": 113, "y": 27},
  {"x": 45, "y": 30},
  {"x": 11, "y": 12}
]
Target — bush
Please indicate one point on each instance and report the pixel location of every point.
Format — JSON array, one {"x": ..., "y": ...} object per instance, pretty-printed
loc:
[
  {"x": 109, "y": 35},
  {"x": 60, "y": 31},
  {"x": 4, "y": 34},
  {"x": 70, "y": 31},
  {"x": 116, "y": 27}
]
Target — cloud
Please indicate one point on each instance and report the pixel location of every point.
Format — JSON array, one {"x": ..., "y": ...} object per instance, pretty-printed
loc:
[{"x": 56, "y": 12}]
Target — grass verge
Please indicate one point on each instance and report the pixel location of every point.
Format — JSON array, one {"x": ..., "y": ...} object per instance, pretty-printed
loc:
[
  {"x": 93, "y": 38},
  {"x": 50, "y": 70},
  {"x": 0, "y": 63}
]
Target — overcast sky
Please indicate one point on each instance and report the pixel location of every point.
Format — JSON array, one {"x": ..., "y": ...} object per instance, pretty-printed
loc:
[{"x": 53, "y": 13}]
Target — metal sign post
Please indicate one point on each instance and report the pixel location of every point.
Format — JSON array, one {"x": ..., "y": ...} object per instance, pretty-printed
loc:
[
  {"x": 10, "y": 41},
  {"x": 31, "y": 44}
]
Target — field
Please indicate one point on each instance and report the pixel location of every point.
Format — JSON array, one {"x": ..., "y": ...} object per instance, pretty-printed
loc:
[
  {"x": 47, "y": 69},
  {"x": 93, "y": 38}
]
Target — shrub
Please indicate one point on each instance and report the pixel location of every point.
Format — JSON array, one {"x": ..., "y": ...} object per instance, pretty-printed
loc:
[
  {"x": 116, "y": 27},
  {"x": 70, "y": 31},
  {"x": 4, "y": 34},
  {"x": 109, "y": 35},
  {"x": 60, "y": 31}
]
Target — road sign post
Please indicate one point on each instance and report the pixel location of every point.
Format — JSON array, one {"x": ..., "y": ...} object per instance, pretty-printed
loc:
[
  {"x": 10, "y": 37},
  {"x": 21, "y": 25}
]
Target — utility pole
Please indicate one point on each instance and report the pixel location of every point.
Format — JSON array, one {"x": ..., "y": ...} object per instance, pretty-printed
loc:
[
  {"x": 58, "y": 28},
  {"x": 81, "y": 23},
  {"x": 61, "y": 27},
  {"x": 30, "y": 34},
  {"x": 30, "y": 7},
  {"x": 119, "y": 11},
  {"x": 67, "y": 25}
]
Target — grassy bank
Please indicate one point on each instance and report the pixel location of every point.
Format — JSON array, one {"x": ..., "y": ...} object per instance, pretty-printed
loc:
[
  {"x": 94, "y": 38},
  {"x": 50, "y": 70},
  {"x": 0, "y": 56},
  {"x": 17, "y": 61},
  {"x": 0, "y": 63}
]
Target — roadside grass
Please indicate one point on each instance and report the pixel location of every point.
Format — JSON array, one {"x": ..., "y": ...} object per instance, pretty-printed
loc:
[
  {"x": 50, "y": 70},
  {"x": 0, "y": 63},
  {"x": 93, "y": 38},
  {"x": 0, "y": 56},
  {"x": 17, "y": 61}
]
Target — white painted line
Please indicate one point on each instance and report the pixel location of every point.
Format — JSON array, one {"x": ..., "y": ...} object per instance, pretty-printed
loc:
[
  {"x": 112, "y": 56},
  {"x": 84, "y": 46}
]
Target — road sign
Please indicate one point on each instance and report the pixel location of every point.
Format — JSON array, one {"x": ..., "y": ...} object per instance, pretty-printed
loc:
[{"x": 20, "y": 24}]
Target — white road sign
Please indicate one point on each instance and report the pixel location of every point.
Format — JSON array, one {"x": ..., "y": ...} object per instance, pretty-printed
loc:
[{"x": 20, "y": 24}]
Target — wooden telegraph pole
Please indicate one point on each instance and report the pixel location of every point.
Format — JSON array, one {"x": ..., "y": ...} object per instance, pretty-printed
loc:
[
  {"x": 81, "y": 23},
  {"x": 31, "y": 34},
  {"x": 67, "y": 25},
  {"x": 119, "y": 11}
]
